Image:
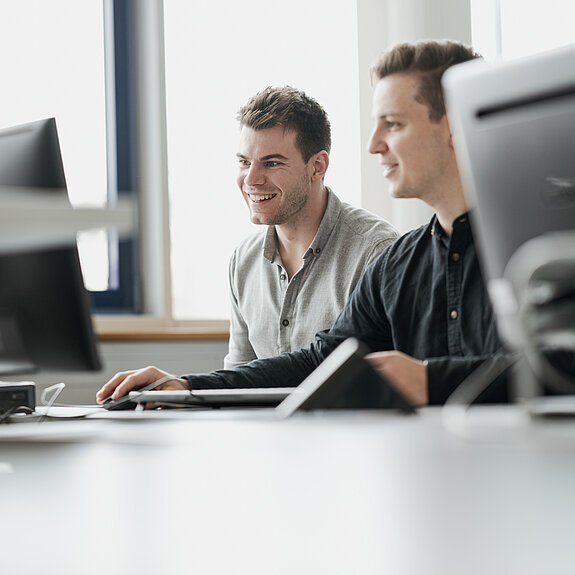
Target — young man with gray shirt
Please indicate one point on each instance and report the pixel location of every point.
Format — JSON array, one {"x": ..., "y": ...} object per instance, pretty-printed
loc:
[{"x": 293, "y": 279}]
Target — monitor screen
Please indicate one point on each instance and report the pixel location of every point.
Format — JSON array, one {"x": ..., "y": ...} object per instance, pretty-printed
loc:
[
  {"x": 30, "y": 157},
  {"x": 45, "y": 316},
  {"x": 513, "y": 126}
]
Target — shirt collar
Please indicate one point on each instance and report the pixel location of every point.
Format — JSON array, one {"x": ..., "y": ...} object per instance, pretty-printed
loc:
[
  {"x": 460, "y": 222},
  {"x": 270, "y": 245},
  {"x": 326, "y": 226}
]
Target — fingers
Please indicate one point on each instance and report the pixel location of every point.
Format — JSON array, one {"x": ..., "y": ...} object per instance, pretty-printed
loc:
[
  {"x": 407, "y": 374},
  {"x": 126, "y": 381},
  {"x": 107, "y": 389}
]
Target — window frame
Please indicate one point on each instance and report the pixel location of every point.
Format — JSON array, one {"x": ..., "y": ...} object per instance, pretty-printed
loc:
[
  {"x": 151, "y": 253},
  {"x": 124, "y": 293}
]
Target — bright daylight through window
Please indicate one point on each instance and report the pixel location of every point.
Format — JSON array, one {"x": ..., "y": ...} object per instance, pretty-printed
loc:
[
  {"x": 54, "y": 65},
  {"x": 213, "y": 66},
  {"x": 510, "y": 29},
  {"x": 45, "y": 45}
]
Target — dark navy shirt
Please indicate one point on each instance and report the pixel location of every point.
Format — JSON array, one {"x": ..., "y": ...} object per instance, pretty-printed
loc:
[{"x": 424, "y": 296}]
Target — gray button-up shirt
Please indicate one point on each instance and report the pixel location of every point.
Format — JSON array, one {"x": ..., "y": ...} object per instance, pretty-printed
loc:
[{"x": 271, "y": 315}]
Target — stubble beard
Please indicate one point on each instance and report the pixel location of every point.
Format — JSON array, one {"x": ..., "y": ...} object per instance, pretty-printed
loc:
[{"x": 297, "y": 199}]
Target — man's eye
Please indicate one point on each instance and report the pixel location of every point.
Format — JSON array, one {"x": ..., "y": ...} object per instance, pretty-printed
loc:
[
  {"x": 272, "y": 164},
  {"x": 243, "y": 163}
]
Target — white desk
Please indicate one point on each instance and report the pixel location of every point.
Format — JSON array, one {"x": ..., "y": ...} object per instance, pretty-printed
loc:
[{"x": 339, "y": 493}]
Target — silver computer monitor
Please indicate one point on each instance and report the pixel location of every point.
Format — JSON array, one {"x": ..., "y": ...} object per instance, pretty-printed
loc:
[{"x": 513, "y": 125}]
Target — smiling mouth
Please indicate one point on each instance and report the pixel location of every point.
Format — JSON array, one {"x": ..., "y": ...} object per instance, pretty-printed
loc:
[
  {"x": 258, "y": 198},
  {"x": 388, "y": 168}
]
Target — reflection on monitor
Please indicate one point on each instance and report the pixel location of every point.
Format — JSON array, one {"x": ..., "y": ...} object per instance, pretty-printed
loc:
[
  {"x": 45, "y": 321},
  {"x": 514, "y": 134}
]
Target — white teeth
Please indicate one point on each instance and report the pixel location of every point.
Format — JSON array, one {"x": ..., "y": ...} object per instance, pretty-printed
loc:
[{"x": 261, "y": 198}]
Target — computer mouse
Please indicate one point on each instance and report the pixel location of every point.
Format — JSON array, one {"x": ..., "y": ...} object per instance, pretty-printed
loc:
[
  {"x": 117, "y": 404},
  {"x": 126, "y": 403}
]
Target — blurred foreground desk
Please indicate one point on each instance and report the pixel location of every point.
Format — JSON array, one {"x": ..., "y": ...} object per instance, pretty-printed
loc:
[{"x": 360, "y": 493}]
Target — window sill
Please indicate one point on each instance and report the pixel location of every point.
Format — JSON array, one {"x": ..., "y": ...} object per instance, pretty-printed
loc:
[
  {"x": 163, "y": 335},
  {"x": 116, "y": 329}
]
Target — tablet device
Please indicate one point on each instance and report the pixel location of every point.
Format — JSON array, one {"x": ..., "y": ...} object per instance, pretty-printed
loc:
[{"x": 345, "y": 380}]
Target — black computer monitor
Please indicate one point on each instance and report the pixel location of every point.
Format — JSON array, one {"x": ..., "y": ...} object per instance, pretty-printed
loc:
[{"x": 45, "y": 315}]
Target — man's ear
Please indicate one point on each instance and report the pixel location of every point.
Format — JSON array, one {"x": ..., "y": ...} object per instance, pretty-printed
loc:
[
  {"x": 319, "y": 164},
  {"x": 450, "y": 141}
]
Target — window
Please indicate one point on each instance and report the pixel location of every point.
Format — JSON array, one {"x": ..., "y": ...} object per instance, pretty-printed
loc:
[
  {"x": 118, "y": 275},
  {"x": 218, "y": 54},
  {"x": 78, "y": 61},
  {"x": 45, "y": 45},
  {"x": 55, "y": 64},
  {"x": 36, "y": 40},
  {"x": 510, "y": 29}
]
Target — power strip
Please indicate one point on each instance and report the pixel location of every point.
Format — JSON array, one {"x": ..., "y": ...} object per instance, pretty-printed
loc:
[{"x": 17, "y": 395}]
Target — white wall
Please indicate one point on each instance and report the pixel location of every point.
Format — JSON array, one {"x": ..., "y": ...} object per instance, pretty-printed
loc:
[
  {"x": 175, "y": 357},
  {"x": 382, "y": 24}
]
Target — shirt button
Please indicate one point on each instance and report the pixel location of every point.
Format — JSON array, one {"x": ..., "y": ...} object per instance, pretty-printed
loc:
[
  {"x": 453, "y": 314},
  {"x": 285, "y": 322},
  {"x": 282, "y": 277},
  {"x": 455, "y": 257},
  {"x": 317, "y": 250}
]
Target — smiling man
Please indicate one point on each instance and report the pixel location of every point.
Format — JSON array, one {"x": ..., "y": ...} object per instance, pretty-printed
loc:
[{"x": 293, "y": 279}]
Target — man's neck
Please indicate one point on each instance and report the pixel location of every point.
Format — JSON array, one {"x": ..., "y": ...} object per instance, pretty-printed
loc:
[
  {"x": 294, "y": 238},
  {"x": 449, "y": 208}
]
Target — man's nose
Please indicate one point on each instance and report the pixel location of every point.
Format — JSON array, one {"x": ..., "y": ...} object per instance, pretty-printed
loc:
[
  {"x": 377, "y": 143},
  {"x": 255, "y": 176}
]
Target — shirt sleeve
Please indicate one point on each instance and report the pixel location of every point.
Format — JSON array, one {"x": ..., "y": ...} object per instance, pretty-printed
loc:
[
  {"x": 240, "y": 349},
  {"x": 364, "y": 316},
  {"x": 445, "y": 374},
  {"x": 286, "y": 370}
]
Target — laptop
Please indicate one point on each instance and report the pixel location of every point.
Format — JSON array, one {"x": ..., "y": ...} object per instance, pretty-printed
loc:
[{"x": 237, "y": 397}]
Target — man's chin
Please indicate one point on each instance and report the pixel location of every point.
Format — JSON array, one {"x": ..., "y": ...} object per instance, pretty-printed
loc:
[
  {"x": 261, "y": 220},
  {"x": 399, "y": 193}
]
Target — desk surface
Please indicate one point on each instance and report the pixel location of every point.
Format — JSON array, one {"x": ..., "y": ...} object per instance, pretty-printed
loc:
[{"x": 326, "y": 493}]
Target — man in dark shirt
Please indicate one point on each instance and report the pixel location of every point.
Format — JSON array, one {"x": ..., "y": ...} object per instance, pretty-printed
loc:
[{"x": 422, "y": 307}]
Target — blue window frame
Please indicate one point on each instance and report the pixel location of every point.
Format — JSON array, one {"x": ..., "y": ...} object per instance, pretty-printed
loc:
[{"x": 124, "y": 291}]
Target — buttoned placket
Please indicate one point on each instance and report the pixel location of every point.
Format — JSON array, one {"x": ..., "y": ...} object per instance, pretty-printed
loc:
[
  {"x": 455, "y": 257},
  {"x": 290, "y": 291}
]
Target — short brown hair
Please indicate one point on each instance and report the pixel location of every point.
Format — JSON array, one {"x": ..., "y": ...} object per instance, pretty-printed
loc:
[
  {"x": 429, "y": 59},
  {"x": 294, "y": 110}
]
